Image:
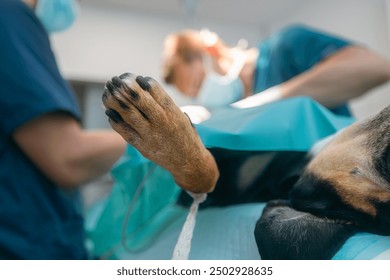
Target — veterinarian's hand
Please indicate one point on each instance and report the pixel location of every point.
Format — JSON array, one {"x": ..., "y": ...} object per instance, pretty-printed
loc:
[
  {"x": 269, "y": 95},
  {"x": 142, "y": 112}
]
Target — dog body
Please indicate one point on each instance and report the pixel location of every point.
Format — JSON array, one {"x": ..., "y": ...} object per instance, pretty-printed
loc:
[
  {"x": 315, "y": 202},
  {"x": 342, "y": 190}
]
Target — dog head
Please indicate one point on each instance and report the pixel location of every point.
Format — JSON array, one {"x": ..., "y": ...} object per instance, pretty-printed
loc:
[{"x": 350, "y": 177}]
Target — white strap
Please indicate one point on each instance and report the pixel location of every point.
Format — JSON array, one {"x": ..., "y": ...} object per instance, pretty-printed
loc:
[{"x": 183, "y": 245}]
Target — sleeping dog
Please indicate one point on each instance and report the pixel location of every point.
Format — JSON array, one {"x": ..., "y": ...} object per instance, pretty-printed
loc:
[
  {"x": 314, "y": 202},
  {"x": 343, "y": 189}
]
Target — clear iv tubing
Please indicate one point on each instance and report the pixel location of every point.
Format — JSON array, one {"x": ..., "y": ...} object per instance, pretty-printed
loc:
[
  {"x": 183, "y": 245},
  {"x": 110, "y": 252},
  {"x": 131, "y": 206}
]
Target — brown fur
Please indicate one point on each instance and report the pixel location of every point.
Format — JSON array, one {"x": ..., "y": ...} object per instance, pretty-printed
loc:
[
  {"x": 345, "y": 188},
  {"x": 349, "y": 163},
  {"x": 147, "y": 118}
]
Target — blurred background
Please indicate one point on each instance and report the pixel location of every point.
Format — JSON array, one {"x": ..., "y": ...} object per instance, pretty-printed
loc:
[{"x": 115, "y": 36}]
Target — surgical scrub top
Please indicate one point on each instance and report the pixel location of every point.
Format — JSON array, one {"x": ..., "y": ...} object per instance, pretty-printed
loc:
[
  {"x": 292, "y": 51},
  {"x": 37, "y": 219}
]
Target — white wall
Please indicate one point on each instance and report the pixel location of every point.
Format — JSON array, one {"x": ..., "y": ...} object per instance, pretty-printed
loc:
[
  {"x": 109, "y": 41},
  {"x": 364, "y": 21}
]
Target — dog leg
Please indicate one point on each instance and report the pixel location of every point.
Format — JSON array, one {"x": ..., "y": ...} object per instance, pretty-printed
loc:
[
  {"x": 142, "y": 112},
  {"x": 284, "y": 233}
]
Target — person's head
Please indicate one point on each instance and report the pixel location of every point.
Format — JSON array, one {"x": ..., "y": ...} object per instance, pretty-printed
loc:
[
  {"x": 55, "y": 15},
  {"x": 182, "y": 61},
  {"x": 201, "y": 66},
  {"x": 183, "y": 58}
]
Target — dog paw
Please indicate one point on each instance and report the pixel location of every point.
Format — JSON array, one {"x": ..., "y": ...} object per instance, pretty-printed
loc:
[{"x": 143, "y": 113}]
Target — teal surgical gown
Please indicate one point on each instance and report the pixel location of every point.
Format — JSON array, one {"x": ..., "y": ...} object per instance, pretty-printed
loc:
[
  {"x": 37, "y": 220},
  {"x": 292, "y": 51}
]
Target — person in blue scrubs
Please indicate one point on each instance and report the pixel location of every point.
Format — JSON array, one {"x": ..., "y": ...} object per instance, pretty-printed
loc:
[
  {"x": 297, "y": 60},
  {"x": 45, "y": 155}
]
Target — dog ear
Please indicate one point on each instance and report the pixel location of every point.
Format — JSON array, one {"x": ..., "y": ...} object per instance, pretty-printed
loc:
[{"x": 284, "y": 233}]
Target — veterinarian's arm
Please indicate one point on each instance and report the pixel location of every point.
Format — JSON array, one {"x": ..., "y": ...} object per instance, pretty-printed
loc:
[
  {"x": 347, "y": 74},
  {"x": 66, "y": 153}
]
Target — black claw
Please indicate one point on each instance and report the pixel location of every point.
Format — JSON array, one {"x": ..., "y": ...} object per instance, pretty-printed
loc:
[
  {"x": 114, "y": 115},
  {"x": 125, "y": 75},
  {"x": 117, "y": 82},
  {"x": 110, "y": 87},
  {"x": 104, "y": 96},
  {"x": 143, "y": 82}
]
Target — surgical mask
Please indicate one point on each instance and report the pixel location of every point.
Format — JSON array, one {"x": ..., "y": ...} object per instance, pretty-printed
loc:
[
  {"x": 217, "y": 91},
  {"x": 221, "y": 90},
  {"x": 56, "y": 15}
]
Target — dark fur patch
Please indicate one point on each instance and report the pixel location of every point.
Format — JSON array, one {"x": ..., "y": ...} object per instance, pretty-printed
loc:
[
  {"x": 143, "y": 113},
  {"x": 318, "y": 196},
  {"x": 274, "y": 180},
  {"x": 123, "y": 105},
  {"x": 133, "y": 93},
  {"x": 382, "y": 164},
  {"x": 311, "y": 193},
  {"x": 383, "y": 218}
]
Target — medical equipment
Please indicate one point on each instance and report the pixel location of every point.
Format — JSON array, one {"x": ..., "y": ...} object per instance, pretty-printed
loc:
[
  {"x": 124, "y": 224},
  {"x": 183, "y": 245},
  {"x": 111, "y": 251}
]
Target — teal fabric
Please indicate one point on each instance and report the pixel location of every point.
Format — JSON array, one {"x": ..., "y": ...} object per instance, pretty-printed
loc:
[
  {"x": 221, "y": 233},
  {"x": 151, "y": 213},
  {"x": 226, "y": 233},
  {"x": 290, "y": 125},
  {"x": 363, "y": 246}
]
